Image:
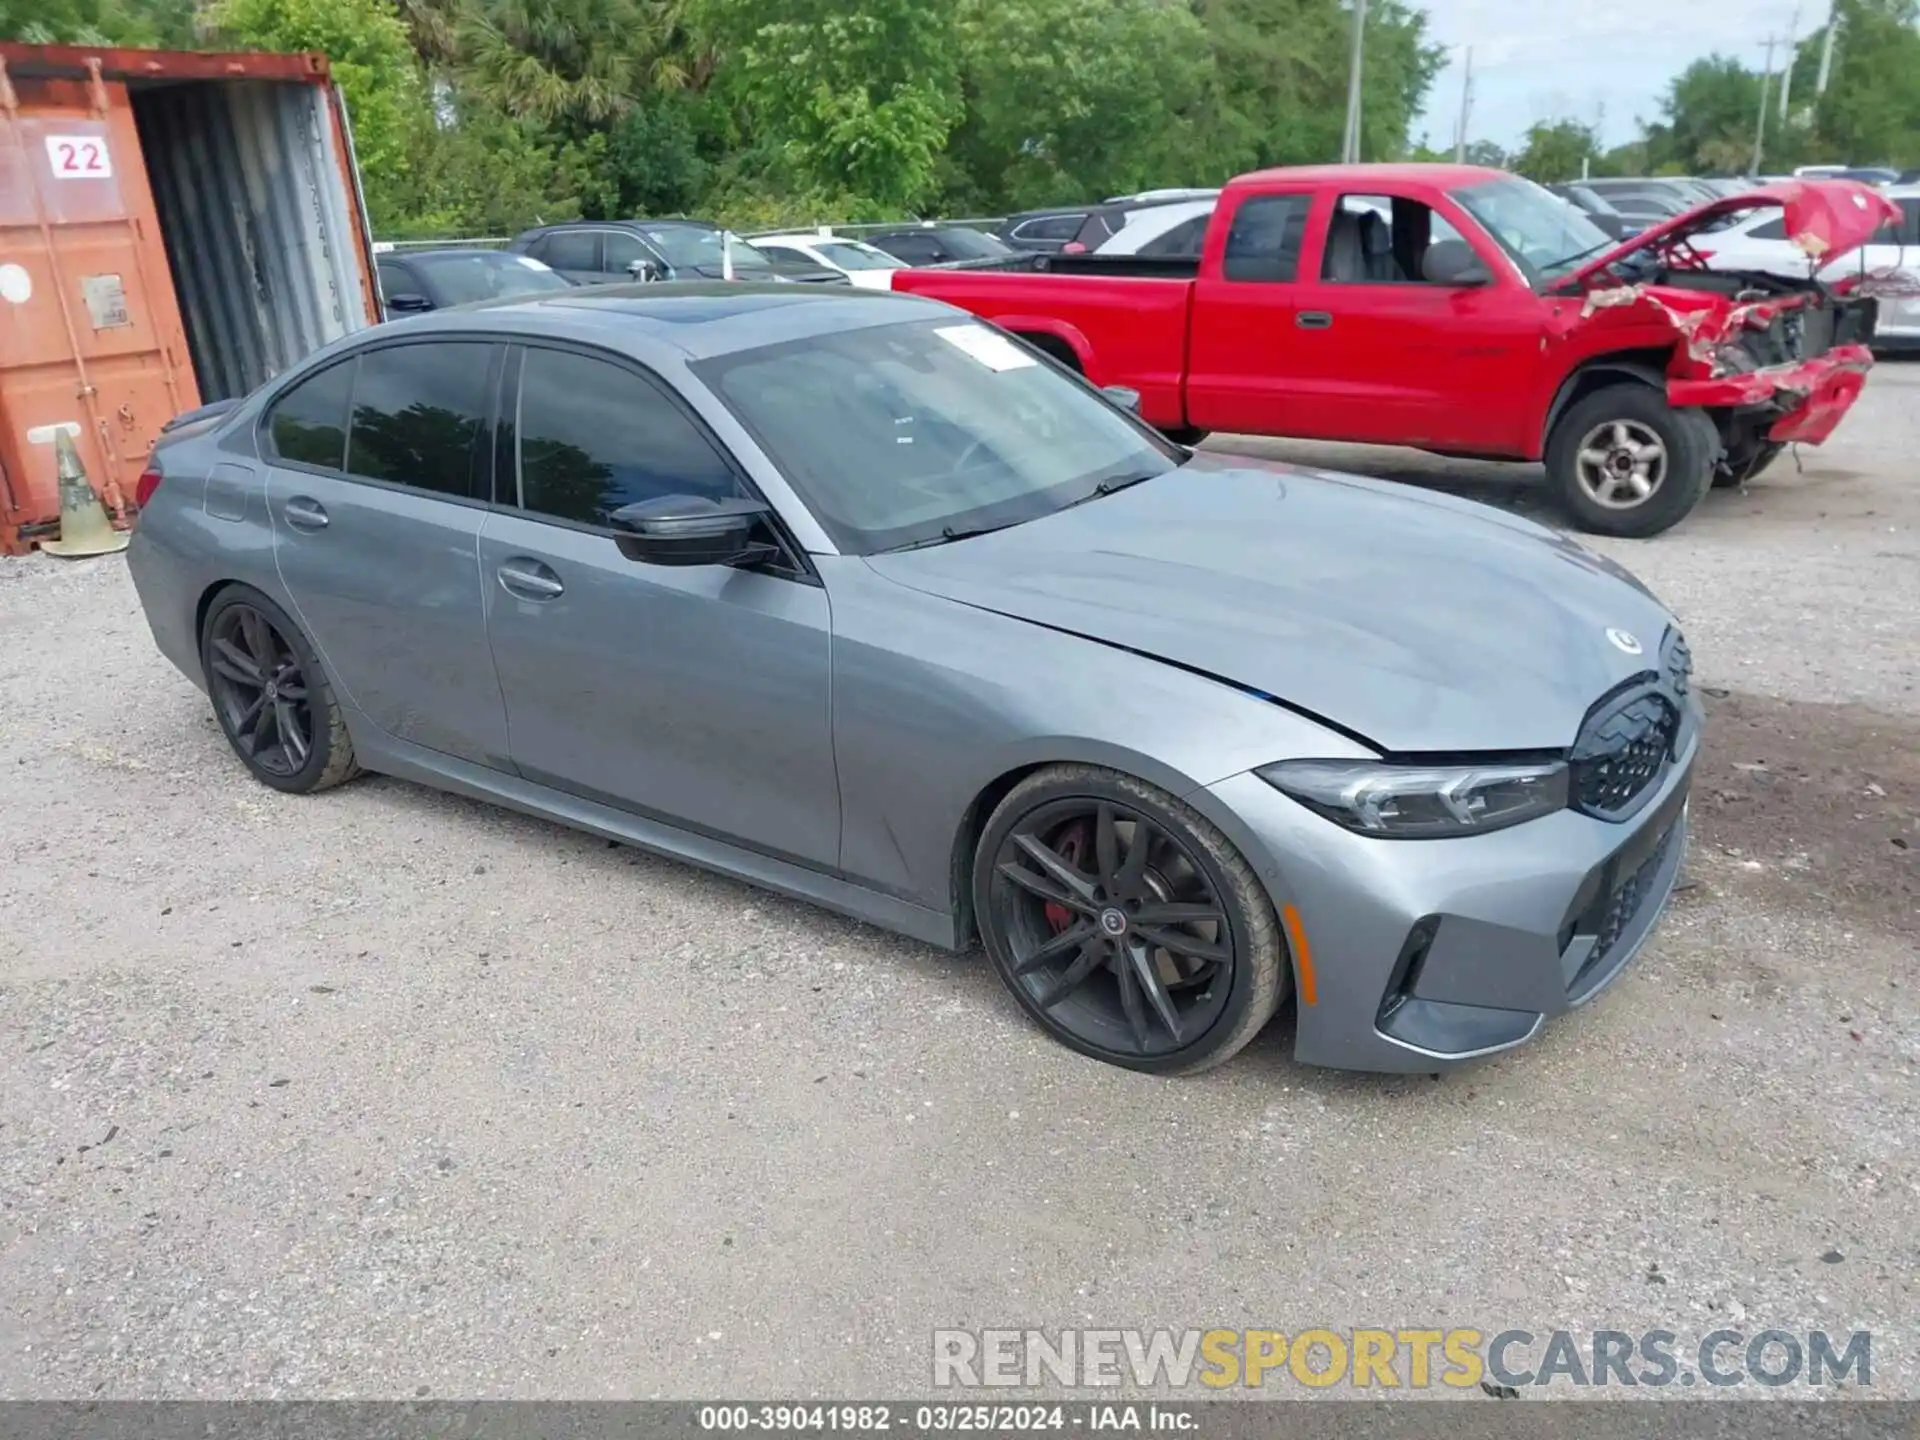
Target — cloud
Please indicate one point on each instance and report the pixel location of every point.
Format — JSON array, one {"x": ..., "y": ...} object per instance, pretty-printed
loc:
[{"x": 1606, "y": 63}]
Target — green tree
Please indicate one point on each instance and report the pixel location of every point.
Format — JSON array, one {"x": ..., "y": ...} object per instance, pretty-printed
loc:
[
  {"x": 859, "y": 96},
  {"x": 98, "y": 22},
  {"x": 1871, "y": 111},
  {"x": 1709, "y": 113},
  {"x": 1100, "y": 99},
  {"x": 575, "y": 63},
  {"x": 373, "y": 61},
  {"x": 1556, "y": 150}
]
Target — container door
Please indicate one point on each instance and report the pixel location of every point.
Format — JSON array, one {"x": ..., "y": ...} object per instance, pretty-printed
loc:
[{"x": 90, "y": 331}]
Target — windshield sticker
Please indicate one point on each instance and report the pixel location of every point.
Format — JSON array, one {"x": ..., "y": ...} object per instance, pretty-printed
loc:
[{"x": 996, "y": 352}]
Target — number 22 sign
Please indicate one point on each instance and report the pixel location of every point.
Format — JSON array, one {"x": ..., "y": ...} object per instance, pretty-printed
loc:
[{"x": 79, "y": 157}]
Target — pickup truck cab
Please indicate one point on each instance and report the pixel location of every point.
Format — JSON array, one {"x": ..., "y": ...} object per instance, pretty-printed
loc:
[{"x": 1469, "y": 312}]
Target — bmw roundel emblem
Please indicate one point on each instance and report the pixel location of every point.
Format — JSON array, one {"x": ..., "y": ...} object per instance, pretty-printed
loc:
[{"x": 1625, "y": 641}]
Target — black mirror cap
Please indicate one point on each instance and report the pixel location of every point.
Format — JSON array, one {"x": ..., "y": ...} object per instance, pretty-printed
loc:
[
  {"x": 646, "y": 271},
  {"x": 408, "y": 304},
  {"x": 1452, "y": 262},
  {"x": 691, "y": 530},
  {"x": 1125, "y": 396}
]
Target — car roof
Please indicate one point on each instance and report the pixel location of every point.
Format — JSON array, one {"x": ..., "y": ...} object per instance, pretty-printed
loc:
[
  {"x": 695, "y": 320},
  {"x": 924, "y": 230}
]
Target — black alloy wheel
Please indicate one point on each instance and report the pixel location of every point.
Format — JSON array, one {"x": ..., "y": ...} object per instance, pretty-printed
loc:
[
  {"x": 270, "y": 696},
  {"x": 1126, "y": 924}
]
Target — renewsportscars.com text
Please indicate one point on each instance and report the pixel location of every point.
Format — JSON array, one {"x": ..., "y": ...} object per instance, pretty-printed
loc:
[{"x": 1416, "y": 1359}]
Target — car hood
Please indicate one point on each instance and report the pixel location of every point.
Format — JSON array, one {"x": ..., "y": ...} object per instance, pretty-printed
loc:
[
  {"x": 1826, "y": 219},
  {"x": 1418, "y": 622}
]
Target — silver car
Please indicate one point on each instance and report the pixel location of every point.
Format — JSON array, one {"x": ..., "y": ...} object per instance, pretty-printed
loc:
[{"x": 851, "y": 596}]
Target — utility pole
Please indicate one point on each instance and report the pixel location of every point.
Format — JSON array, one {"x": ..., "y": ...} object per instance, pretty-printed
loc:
[
  {"x": 1760, "y": 131},
  {"x": 1786, "y": 70},
  {"x": 1466, "y": 109},
  {"x": 1350, "y": 144},
  {"x": 1826, "y": 49}
]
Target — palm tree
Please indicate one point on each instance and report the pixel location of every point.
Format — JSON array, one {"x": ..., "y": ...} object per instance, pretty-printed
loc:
[{"x": 570, "y": 61}]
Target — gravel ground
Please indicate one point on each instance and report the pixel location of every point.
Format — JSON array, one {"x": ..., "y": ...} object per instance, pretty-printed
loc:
[{"x": 385, "y": 1093}]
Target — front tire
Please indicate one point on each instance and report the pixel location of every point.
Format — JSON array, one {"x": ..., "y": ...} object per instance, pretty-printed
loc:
[
  {"x": 271, "y": 696},
  {"x": 1728, "y": 474},
  {"x": 1627, "y": 463},
  {"x": 1125, "y": 923}
]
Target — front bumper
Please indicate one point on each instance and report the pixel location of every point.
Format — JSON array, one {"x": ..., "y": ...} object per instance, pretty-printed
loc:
[
  {"x": 1808, "y": 399},
  {"x": 1427, "y": 954}
]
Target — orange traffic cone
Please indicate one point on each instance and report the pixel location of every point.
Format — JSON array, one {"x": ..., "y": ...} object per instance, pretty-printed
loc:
[{"x": 84, "y": 527}]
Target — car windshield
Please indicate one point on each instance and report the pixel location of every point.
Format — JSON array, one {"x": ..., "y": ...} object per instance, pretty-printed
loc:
[
  {"x": 901, "y": 435},
  {"x": 692, "y": 247},
  {"x": 484, "y": 275},
  {"x": 851, "y": 255},
  {"x": 1544, "y": 233}
]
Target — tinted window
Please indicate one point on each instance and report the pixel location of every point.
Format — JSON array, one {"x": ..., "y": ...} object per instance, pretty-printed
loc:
[
  {"x": 572, "y": 250},
  {"x": 1774, "y": 229},
  {"x": 1051, "y": 227},
  {"x": 914, "y": 249},
  {"x": 1183, "y": 240},
  {"x": 595, "y": 436},
  {"x": 309, "y": 423},
  {"x": 1264, "y": 243},
  {"x": 622, "y": 251},
  {"x": 418, "y": 412},
  {"x": 781, "y": 252},
  {"x": 395, "y": 281},
  {"x": 967, "y": 244}
]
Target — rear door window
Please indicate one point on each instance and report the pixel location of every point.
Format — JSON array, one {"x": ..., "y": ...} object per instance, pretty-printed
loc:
[
  {"x": 1183, "y": 241},
  {"x": 420, "y": 415},
  {"x": 621, "y": 251},
  {"x": 308, "y": 425}
]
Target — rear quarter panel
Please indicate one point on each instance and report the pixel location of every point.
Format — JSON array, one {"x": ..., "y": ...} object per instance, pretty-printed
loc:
[{"x": 1123, "y": 330}]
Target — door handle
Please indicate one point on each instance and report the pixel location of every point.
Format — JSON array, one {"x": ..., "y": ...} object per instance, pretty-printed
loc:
[
  {"x": 530, "y": 580},
  {"x": 1313, "y": 320},
  {"x": 303, "y": 512}
]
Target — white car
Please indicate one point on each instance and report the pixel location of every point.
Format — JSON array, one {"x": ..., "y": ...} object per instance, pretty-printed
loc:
[
  {"x": 1758, "y": 241},
  {"x": 864, "y": 265},
  {"x": 1176, "y": 230}
]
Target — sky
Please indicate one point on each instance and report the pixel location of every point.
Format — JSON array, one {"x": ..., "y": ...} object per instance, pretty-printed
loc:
[{"x": 1605, "y": 62}]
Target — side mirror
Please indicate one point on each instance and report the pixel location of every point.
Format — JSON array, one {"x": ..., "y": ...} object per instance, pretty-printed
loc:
[
  {"x": 1452, "y": 262},
  {"x": 691, "y": 530},
  {"x": 1125, "y": 396},
  {"x": 647, "y": 271},
  {"x": 408, "y": 304}
]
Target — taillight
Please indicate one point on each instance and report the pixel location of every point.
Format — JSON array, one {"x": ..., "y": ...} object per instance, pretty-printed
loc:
[{"x": 144, "y": 487}]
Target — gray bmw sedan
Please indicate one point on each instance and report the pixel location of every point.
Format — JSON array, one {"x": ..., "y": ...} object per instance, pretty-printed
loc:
[{"x": 852, "y": 596}]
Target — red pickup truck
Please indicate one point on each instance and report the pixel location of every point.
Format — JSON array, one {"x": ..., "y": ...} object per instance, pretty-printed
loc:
[{"x": 1468, "y": 312}]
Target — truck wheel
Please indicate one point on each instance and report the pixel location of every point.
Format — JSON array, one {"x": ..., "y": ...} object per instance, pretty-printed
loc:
[
  {"x": 1187, "y": 435},
  {"x": 1729, "y": 473},
  {"x": 1627, "y": 463}
]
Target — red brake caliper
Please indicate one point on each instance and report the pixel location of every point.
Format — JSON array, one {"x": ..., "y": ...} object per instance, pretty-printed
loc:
[{"x": 1071, "y": 842}]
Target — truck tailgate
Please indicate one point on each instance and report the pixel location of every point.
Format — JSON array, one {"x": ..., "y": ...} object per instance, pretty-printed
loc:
[{"x": 1122, "y": 330}]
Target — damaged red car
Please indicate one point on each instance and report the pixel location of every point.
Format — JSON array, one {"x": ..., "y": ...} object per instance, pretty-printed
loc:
[{"x": 1467, "y": 312}]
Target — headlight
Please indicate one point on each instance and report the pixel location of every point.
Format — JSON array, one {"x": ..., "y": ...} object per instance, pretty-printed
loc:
[{"x": 1421, "y": 802}]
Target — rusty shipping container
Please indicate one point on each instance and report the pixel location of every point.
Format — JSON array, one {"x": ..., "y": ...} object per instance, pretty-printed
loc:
[{"x": 175, "y": 228}]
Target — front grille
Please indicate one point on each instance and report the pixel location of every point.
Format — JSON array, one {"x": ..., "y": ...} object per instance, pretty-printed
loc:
[
  {"x": 1621, "y": 752},
  {"x": 1623, "y": 905}
]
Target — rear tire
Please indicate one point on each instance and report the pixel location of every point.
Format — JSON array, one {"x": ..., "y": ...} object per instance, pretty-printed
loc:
[
  {"x": 1627, "y": 463},
  {"x": 271, "y": 695},
  {"x": 1125, "y": 923}
]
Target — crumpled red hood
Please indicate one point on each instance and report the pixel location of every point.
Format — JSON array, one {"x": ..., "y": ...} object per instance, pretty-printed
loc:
[{"x": 1825, "y": 218}]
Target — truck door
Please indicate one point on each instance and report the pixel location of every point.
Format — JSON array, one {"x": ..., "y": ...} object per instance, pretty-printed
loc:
[
  {"x": 1388, "y": 355},
  {"x": 1244, "y": 362}
]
